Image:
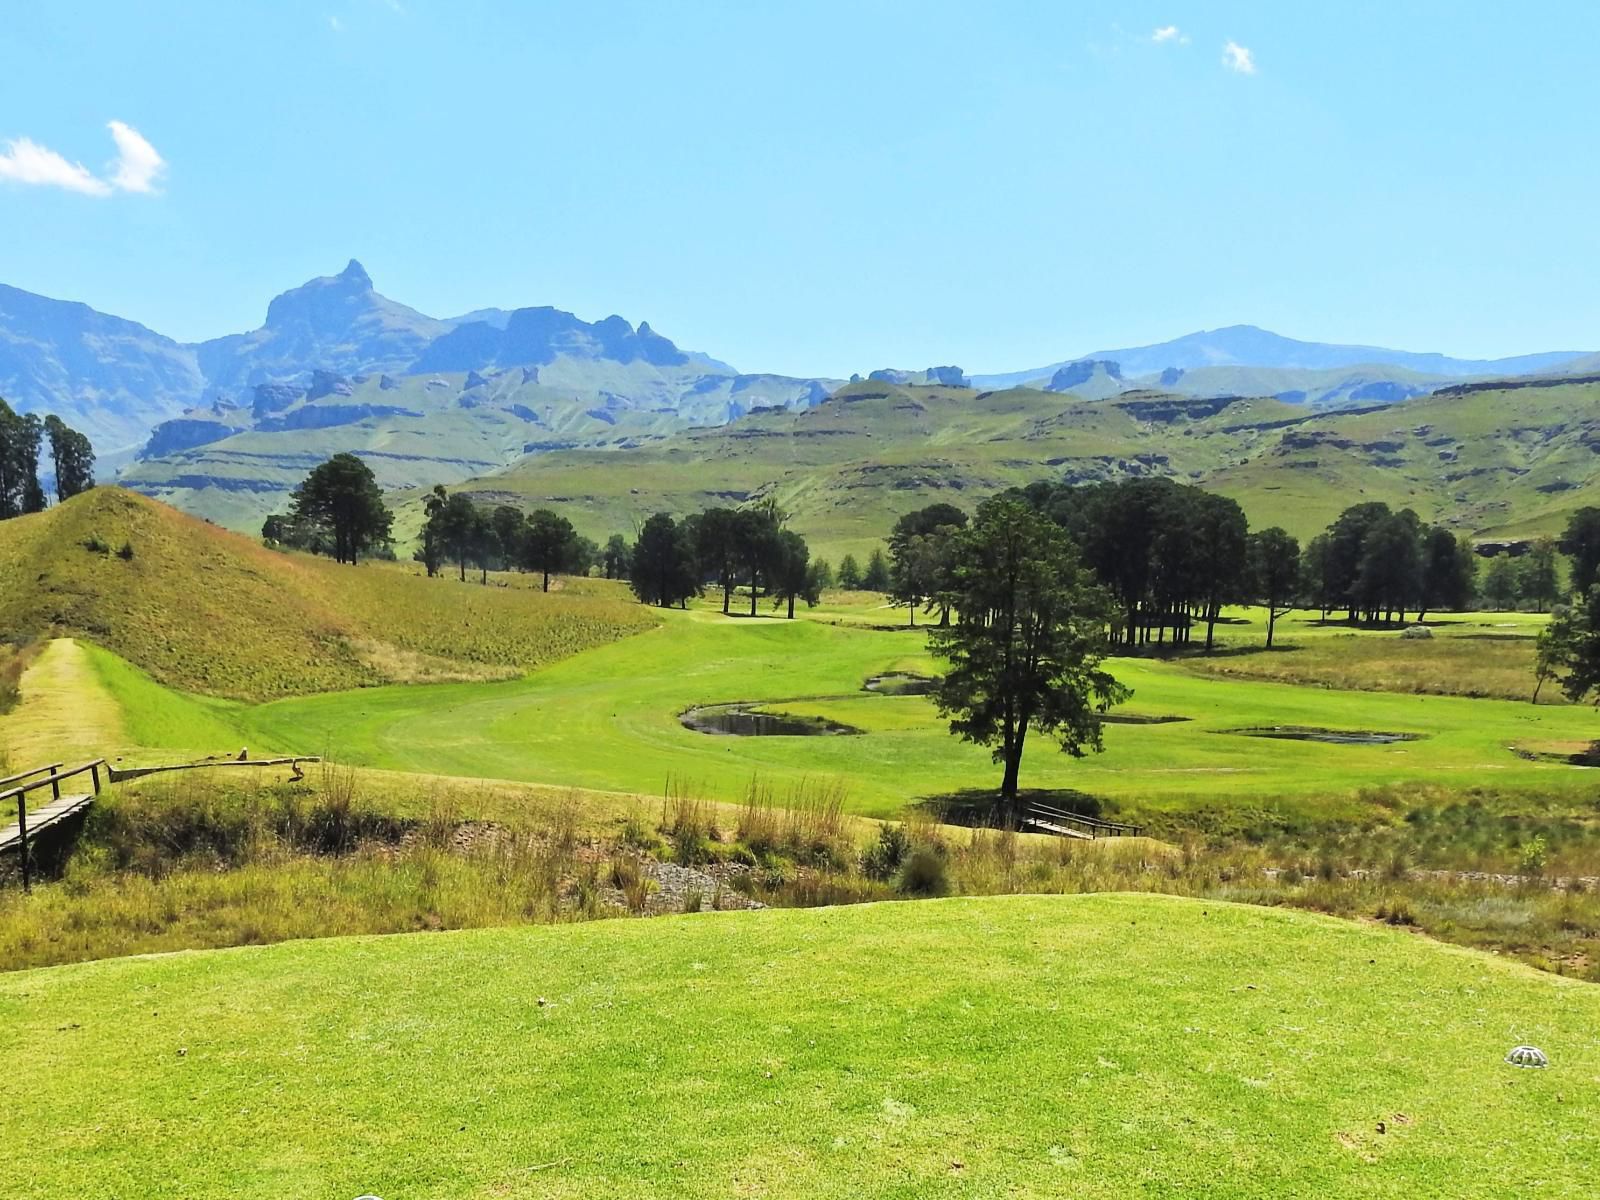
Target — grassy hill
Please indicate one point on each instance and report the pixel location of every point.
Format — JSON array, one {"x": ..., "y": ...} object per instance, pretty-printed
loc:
[
  {"x": 848, "y": 467},
  {"x": 209, "y": 611},
  {"x": 1098, "y": 1046},
  {"x": 1507, "y": 461}
]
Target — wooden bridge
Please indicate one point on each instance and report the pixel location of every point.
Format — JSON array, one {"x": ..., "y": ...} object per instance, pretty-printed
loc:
[
  {"x": 62, "y": 804},
  {"x": 69, "y": 802},
  {"x": 1042, "y": 817}
]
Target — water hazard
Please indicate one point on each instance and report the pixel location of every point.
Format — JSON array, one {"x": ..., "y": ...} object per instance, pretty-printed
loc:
[
  {"x": 1332, "y": 737},
  {"x": 746, "y": 720}
]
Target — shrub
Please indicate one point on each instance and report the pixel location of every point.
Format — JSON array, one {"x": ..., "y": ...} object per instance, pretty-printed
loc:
[
  {"x": 1533, "y": 856},
  {"x": 924, "y": 874},
  {"x": 883, "y": 858},
  {"x": 628, "y": 877},
  {"x": 126, "y": 553},
  {"x": 687, "y": 822}
]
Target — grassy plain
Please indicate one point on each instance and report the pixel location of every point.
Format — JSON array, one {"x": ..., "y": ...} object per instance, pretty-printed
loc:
[
  {"x": 608, "y": 719},
  {"x": 1097, "y": 1046}
]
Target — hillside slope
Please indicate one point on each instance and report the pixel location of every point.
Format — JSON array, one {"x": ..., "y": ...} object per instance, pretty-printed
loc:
[
  {"x": 1099, "y": 1046},
  {"x": 209, "y": 611},
  {"x": 1505, "y": 460}
]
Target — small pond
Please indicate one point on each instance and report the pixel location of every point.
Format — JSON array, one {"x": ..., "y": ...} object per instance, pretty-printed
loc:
[
  {"x": 1143, "y": 718},
  {"x": 745, "y": 720},
  {"x": 1332, "y": 737},
  {"x": 900, "y": 683}
]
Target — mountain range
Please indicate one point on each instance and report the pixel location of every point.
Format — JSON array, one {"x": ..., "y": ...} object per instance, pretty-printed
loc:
[
  {"x": 1249, "y": 346},
  {"x": 118, "y": 381},
  {"x": 226, "y": 427}
]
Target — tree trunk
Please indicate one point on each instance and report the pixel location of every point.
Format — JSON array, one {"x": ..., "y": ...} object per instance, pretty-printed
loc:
[
  {"x": 791, "y": 606},
  {"x": 1008, "y": 782},
  {"x": 462, "y": 563},
  {"x": 1272, "y": 621},
  {"x": 727, "y": 593},
  {"x": 1211, "y": 626},
  {"x": 753, "y": 578},
  {"x": 547, "y": 581},
  {"x": 483, "y": 579},
  {"x": 912, "y": 609}
]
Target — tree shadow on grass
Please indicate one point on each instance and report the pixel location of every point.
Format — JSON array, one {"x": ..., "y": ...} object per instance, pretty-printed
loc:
[{"x": 1200, "y": 654}]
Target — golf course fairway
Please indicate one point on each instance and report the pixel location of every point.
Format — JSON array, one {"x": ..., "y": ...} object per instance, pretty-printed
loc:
[{"x": 1091, "y": 1046}]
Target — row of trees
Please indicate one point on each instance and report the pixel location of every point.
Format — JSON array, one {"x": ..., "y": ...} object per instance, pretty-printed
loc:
[
  {"x": 23, "y": 437},
  {"x": 457, "y": 530},
  {"x": 725, "y": 549},
  {"x": 1035, "y": 609},
  {"x": 1376, "y": 564},
  {"x": 339, "y": 510},
  {"x": 1170, "y": 556}
]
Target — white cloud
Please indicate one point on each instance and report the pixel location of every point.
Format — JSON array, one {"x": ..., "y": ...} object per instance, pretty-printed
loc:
[
  {"x": 25, "y": 161},
  {"x": 1170, "y": 33},
  {"x": 1238, "y": 58},
  {"x": 136, "y": 168}
]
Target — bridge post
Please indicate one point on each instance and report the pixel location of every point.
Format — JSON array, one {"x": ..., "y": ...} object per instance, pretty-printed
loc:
[{"x": 22, "y": 842}]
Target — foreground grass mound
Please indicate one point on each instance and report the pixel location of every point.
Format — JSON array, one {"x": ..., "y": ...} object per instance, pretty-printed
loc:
[
  {"x": 209, "y": 611},
  {"x": 1094, "y": 1046}
]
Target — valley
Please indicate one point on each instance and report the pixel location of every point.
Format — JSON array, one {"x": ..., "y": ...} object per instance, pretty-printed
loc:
[{"x": 799, "y": 602}]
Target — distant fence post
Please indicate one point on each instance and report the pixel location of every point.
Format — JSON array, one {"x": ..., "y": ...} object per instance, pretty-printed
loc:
[{"x": 22, "y": 842}]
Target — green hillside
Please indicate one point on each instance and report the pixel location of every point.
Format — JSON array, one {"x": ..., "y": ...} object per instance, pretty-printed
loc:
[
  {"x": 209, "y": 611},
  {"x": 846, "y": 468},
  {"x": 1093, "y": 1046},
  {"x": 1509, "y": 461}
]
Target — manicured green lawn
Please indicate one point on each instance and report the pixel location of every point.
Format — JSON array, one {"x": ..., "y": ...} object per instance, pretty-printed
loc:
[
  {"x": 1091, "y": 1046},
  {"x": 608, "y": 719}
]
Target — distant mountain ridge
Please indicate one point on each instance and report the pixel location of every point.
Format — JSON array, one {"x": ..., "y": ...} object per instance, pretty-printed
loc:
[
  {"x": 118, "y": 381},
  {"x": 111, "y": 377},
  {"x": 336, "y": 322},
  {"x": 1251, "y": 346}
]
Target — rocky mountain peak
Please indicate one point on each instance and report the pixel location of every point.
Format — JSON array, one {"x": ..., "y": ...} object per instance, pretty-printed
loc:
[{"x": 355, "y": 275}]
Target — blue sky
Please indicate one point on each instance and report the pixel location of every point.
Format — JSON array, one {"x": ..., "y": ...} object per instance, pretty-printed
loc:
[{"x": 822, "y": 188}]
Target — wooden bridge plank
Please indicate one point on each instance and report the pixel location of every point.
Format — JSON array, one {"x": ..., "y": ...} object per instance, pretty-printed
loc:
[{"x": 41, "y": 818}]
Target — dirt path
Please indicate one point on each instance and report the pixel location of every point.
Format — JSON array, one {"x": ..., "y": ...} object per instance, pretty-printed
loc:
[{"x": 65, "y": 712}]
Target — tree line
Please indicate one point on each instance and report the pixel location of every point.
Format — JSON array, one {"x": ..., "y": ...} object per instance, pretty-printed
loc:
[
  {"x": 23, "y": 441},
  {"x": 1044, "y": 580},
  {"x": 1171, "y": 556},
  {"x": 339, "y": 510},
  {"x": 725, "y": 549}
]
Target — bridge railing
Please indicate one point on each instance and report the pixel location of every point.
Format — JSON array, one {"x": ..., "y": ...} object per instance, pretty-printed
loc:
[
  {"x": 1037, "y": 813},
  {"x": 36, "y": 780}
]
